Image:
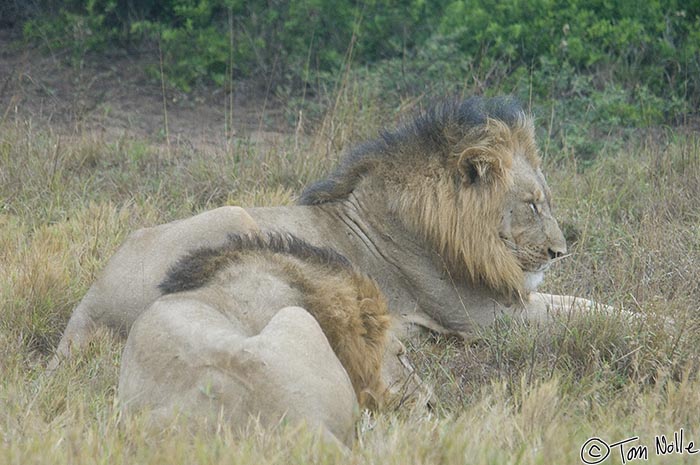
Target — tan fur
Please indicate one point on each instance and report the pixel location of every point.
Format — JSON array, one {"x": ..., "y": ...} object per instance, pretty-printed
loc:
[
  {"x": 450, "y": 214},
  {"x": 352, "y": 313},
  {"x": 452, "y": 175},
  {"x": 462, "y": 220},
  {"x": 226, "y": 326},
  {"x": 349, "y": 307}
]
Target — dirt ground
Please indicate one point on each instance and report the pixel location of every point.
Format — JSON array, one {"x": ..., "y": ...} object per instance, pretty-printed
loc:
[{"x": 112, "y": 93}]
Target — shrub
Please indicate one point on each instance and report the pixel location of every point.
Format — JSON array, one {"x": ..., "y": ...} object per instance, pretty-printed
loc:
[
  {"x": 626, "y": 65},
  {"x": 653, "y": 52}
]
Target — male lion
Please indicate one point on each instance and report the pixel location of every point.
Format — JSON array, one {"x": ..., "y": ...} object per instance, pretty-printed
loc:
[
  {"x": 450, "y": 214},
  {"x": 237, "y": 334}
]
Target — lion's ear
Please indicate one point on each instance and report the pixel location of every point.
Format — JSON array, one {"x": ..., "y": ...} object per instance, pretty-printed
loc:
[{"x": 479, "y": 165}]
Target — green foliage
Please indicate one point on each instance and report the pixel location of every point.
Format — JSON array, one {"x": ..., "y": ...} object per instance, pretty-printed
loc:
[
  {"x": 207, "y": 39},
  {"x": 599, "y": 62},
  {"x": 649, "y": 56}
]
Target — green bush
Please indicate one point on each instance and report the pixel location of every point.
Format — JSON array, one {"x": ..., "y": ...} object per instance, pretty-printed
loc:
[
  {"x": 202, "y": 39},
  {"x": 626, "y": 64},
  {"x": 652, "y": 51}
]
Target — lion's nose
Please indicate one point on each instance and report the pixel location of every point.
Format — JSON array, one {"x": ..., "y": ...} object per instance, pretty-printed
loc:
[{"x": 555, "y": 252}]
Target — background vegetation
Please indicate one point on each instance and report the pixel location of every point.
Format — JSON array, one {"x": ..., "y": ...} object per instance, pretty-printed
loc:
[
  {"x": 615, "y": 89},
  {"x": 598, "y": 63}
]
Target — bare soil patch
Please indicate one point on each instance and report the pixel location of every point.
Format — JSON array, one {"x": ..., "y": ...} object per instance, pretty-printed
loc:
[{"x": 113, "y": 94}]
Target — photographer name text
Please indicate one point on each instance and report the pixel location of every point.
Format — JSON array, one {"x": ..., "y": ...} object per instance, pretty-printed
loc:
[{"x": 596, "y": 450}]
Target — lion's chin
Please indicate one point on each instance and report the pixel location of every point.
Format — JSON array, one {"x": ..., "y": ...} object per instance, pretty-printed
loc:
[{"x": 533, "y": 279}]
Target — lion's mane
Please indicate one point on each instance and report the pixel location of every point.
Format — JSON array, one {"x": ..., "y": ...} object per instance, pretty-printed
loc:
[
  {"x": 348, "y": 305},
  {"x": 446, "y": 174}
]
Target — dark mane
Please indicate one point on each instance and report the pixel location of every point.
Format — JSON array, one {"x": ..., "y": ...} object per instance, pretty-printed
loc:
[
  {"x": 198, "y": 267},
  {"x": 431, "y": 131}
]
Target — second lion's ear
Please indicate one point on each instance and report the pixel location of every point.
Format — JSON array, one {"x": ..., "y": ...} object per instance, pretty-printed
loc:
[{"x": 478, "y": 165}]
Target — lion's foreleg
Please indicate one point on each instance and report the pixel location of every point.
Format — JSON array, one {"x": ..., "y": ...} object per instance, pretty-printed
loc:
[{"x": 541, "y": 307}]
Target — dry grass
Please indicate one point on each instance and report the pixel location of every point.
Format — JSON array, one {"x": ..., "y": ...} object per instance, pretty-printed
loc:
[{"x": 522, "y": 394}]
